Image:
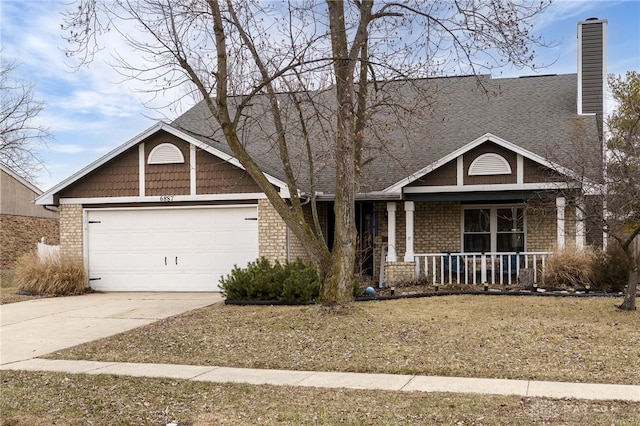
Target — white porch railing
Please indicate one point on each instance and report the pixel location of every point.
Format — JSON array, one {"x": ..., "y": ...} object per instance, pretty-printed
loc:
[{"x": 479, "y": 268}]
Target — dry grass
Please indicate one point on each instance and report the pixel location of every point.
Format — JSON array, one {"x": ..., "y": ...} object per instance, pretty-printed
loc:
[
  {"x": 513, "y": 337},
  {"x": 9, "y": 293},
  {"x": 52, "y": 276},
  {"x": 569, "y": 268},
  {"x": 12, "y": 295},
  {"x": 33, "y": 399}
]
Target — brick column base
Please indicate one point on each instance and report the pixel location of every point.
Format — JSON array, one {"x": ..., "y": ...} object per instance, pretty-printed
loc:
[{"x": 399, "y": 271}]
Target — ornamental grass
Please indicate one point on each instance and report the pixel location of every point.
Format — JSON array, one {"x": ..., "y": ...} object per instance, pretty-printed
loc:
[{"x": 51, "y": 275}]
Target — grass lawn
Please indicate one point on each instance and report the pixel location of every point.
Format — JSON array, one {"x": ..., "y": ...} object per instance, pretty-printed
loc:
[
  {"x": 512, "y": 337},
  {"x": 11, "y": 294},
  {"x": 515, "y": 337},
  {"x": 8, "y": 289},
  {"x": 31, "y": 398}
]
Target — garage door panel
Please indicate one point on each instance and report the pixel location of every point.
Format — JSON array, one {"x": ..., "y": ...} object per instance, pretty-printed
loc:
[{"x": 127, "y": 248}]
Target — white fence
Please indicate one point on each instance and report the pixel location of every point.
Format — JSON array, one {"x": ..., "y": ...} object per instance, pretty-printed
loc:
[
  {"x": 47, "y": 253},
  {"x": 480, "y": 268}
]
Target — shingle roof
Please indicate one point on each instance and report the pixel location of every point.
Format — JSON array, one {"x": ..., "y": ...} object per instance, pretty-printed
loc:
[{"x": 416, "y": 123}]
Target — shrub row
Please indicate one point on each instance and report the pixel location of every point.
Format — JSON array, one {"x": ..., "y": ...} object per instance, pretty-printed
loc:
[{"x": 292, "y": 282}]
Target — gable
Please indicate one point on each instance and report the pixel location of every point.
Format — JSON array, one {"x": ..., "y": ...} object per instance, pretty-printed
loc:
[
  {"x": 17, "y": 195},
  {"x": 487, "y": 164},
  {"x": 167, "y": 174},
  {"x": 187, "y": 169}
]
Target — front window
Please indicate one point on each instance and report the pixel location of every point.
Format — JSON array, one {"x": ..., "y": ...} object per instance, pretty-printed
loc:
[
  {"x": 510, "y": 229},
  {"x": 493, "y": 229},
  {"x": 477, "y": 230}
]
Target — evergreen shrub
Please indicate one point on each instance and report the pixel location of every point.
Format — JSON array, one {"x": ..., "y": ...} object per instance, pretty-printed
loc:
[
  {"x": 291, "y": 282},
  {"x": 610, "y": 269}
]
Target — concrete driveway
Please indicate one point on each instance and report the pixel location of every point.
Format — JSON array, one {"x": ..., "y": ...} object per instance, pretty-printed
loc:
[{"x": 41, "y": 326}]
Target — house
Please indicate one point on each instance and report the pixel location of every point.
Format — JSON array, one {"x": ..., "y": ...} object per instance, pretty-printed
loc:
[
  {"x": 478, "y": 182},
  {"x": 22, "y": 223}
]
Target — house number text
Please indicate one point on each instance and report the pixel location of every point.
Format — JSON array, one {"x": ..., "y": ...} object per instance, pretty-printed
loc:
[{"x": 166, "y": 198}]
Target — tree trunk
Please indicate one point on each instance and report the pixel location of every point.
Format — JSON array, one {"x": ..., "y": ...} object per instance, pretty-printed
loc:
[
  {"x": 337, "y": 287},
  {"x": 629, "y": 303}
]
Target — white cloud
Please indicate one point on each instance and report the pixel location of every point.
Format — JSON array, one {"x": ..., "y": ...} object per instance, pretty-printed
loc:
[{"x": 67, "y": 148}]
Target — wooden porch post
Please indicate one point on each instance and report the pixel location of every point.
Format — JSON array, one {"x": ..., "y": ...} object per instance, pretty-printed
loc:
[
  {"x": 560, "y": 205},
  {"x": 391, "y": 227},
  {"x": 580, "y": 227},
  {"x": 409, "y": 208}
]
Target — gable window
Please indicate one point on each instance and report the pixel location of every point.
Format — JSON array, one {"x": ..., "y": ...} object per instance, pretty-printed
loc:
[
  {"x": 493, "y": 229},
  {"x": 489, "y": 164},
  {"x": 166, "y": 153}
]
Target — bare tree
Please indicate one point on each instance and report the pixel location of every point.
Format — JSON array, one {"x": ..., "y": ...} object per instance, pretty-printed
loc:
[
  {"x": 623, "y": 175},
  {"x": 20, "y": 137},
  {"x": 240, "y": 54}
]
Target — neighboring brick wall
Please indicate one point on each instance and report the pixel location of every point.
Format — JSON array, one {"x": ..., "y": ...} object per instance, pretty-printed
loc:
[
  {"x": 20, "y": 234},
  {"x": 71, "y": 230},
  {"x": 399, "y": 271}
]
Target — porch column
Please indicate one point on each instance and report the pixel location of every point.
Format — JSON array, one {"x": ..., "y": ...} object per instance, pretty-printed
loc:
[
  {"x": 409, "y": 208},
  {"x": 580, "y": 226},
  {"x": 560, "y": 205},
  {"x": 391, "y": 227}
]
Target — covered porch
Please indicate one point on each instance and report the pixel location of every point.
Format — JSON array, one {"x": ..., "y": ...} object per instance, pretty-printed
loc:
[{"x": 497, "y": 240}]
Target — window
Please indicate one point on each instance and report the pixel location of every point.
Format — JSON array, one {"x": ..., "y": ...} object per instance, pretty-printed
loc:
[
  {"x": 166, "y": 153},
  {"x": 510, "y": 229},
  {"x": 493, "y": 229},
  {"x": 477, "y": 230},
  {"x": 489, "y": 164}
]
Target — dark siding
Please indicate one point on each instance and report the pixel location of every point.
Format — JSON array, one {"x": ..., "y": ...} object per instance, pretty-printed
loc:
[
  {"x": 442, "y": 176},
  {"x": 592, "y": 69},
  {"x": 535, "y": 172},
  {"x": 116, "y": 178},
  {"x": 215, "y": 176}
]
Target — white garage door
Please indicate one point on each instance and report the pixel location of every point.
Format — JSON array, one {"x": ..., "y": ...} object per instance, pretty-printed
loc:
[{"x": 169, "y": 249}]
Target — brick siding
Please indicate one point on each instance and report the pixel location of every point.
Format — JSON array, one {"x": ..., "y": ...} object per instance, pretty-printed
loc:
[
  {"x": 542, "y": 225},
  {"x": 399, "y": 271},
  {"x": 272, "y": 233},
  {"x": 71, "y": 230},
  {"x": 20, "y": 234},
  {"x": 437, "y": 227},
  {"x": 274, "y": 240}
]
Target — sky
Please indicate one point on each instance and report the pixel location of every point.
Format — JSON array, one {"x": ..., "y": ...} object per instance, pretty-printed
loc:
[{"x": 92, "y": 110}]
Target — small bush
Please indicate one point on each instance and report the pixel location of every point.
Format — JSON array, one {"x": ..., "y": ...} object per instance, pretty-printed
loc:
[
  {"x": 53, "y": 276},
  {"x": 293, "y": 282},
  {"x": 610, "y": 269},
  {"x": 569, "y": 268}
]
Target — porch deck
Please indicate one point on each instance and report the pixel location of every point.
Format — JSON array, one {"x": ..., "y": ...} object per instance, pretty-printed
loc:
[{"x": 479, "y": 268}]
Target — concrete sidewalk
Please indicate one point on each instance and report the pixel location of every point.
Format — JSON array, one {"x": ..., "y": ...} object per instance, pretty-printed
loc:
[{"x": 404, "y": 383}]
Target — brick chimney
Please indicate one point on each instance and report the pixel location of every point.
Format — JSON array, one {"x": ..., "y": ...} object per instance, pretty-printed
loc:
[{"x": 592, "y": 73}]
